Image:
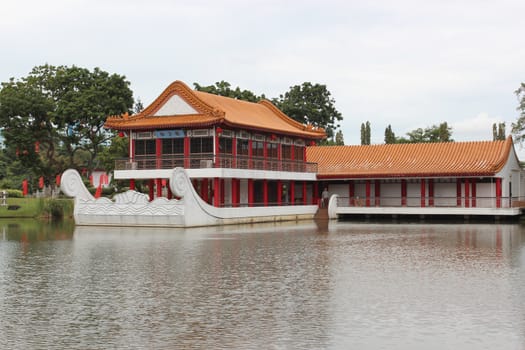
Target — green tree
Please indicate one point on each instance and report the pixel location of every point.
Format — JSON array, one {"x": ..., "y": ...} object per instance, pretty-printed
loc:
[
  {"x": 56, "y": 112},
  {"x": 390, "y": 137},
  {"x": 434, "y": 133},
  {"x": 518, "y": 128},
  {"x": 311, "y": 104},
  {"x": 223, "y": 88},
  {"x": 365, "y": 133},
  {"x": 339, "y": 139},
  {"x": 498, "y": 131}
]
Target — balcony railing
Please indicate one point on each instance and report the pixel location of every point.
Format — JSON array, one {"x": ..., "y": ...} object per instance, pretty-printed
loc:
[
  {"x": 209, "y": 161},
  {"x": 450, "y": 202}
]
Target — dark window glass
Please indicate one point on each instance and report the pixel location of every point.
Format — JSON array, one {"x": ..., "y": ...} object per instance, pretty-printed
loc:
[
  {"x": 287, "y": 151},
  {"x": 201, "y": 145},
  {"x": 145, "y": 147},
  {"x": 242, "y": 147},
  {"x": 272, "y": 150},
  {"x": 299, "y": 153},
  {"x": 257, "y": 149},
  {"x": 225, "y": 146},
  {"x": 173, "y": 146}
]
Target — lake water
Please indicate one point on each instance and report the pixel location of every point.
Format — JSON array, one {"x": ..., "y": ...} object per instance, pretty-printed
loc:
[{"x": 301, "y": 285}]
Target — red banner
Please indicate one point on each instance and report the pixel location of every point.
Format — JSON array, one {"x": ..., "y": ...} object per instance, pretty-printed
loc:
[{"x": 24, "y": 187}]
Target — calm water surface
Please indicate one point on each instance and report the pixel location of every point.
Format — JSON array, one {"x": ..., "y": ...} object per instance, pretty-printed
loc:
[{"x": 288, "y": 286}]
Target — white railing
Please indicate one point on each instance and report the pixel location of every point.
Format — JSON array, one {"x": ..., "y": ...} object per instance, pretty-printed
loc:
[{"x": 420, "y": 202}]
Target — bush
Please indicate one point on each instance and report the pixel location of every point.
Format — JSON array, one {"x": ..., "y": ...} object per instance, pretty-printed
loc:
[
  {"x": 57, "y": 208},
  {"x": 13, "y": 193}
]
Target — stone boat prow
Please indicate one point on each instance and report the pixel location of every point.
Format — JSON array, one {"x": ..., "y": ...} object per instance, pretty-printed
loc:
[{"x": 133, "y": 208}]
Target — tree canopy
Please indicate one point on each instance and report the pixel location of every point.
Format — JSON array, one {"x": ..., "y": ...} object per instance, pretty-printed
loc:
[
  {"x": 311, "y": 104},
  {"x": 518, "y": 128},
  {"x": 434, "y": 133},
  {"x": 498, "y": 131},
  {"x": 53, "y": 118},
  {"x": 307, "y": 103},
  {"x": 223, "y": 88},
  {"x": 365, "y": 133},
  {"x": 390, "y": 136}
]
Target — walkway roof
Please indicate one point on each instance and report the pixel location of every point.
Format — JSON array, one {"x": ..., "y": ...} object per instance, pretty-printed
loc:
[{"x": 481, "y": 158}]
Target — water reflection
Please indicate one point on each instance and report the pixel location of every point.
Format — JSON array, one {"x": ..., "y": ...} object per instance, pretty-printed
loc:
[
  {"x": 31, "y": 230},
  {"x": 293, "y": 286}
]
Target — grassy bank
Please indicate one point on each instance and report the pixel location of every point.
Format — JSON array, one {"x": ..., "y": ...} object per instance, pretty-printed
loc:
[{"x": 36, "y": 207}]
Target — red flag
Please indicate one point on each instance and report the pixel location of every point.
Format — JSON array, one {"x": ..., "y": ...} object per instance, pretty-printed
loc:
[
  {"x": 41, "y": 182},
  {"x": 58, "y": 180},
  {"x": 98, "y": 193},
  {"x": 24, "y": 187}
]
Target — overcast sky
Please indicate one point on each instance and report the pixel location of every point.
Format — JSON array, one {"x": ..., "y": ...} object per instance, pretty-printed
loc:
[{"x": 406, "y": 63}]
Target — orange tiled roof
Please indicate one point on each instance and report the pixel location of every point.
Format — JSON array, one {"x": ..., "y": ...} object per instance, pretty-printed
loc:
[
  {"x": 483, "y": 158},
  {"x": 214, "y": 110}
]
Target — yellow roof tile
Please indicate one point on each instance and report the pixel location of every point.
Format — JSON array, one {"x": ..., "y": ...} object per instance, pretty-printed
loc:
[
  {"x": 482, "y": 158},
  {"x": 214, "y": 110}
]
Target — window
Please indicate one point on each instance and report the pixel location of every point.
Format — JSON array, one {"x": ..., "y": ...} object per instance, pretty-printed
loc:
[
  {"x": 257, "y": 149},
  {"x": 225, "y": 146},
  {"x": 145, "y": 147},
  {"x": 287, "y": 151},
  {"x": 201, "y": 145},
  {"x": 299, "y": 153},
  {"x": 242, "y": 147},
  {"x": 272, "y": 150},
  {"x": 173, "y": 146}
]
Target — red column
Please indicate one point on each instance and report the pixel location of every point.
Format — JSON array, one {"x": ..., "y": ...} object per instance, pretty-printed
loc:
[
  {"x": 367, "y": 195},
  {"x": 473, "y": 192},
  {"x": 458, "y": 192},
  {"x": 158, "y": 183},
  {"x": 305, "y": 200},
  {"x": 186, "y": 152},
  {"x": 131, "y": 184},
  {"x": 265, "y": 192},
  {"x": 250, "y": 192},
  {"x": 235, "y": 201},
  {"x": 151, "y": 185},
  {"x": 403, "y": 192},
  {"x": 467, "y": 193},
  {"x": 498, "y": 192},
  {"x": 158, "y": 153},
  {"x": 430, "y": 192},
  {"x": 292, "y": 192},
  {"x": 423, "y": 192},
  {"x": 216, "y": 192},
  {"x": 377, "y": 193}
]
